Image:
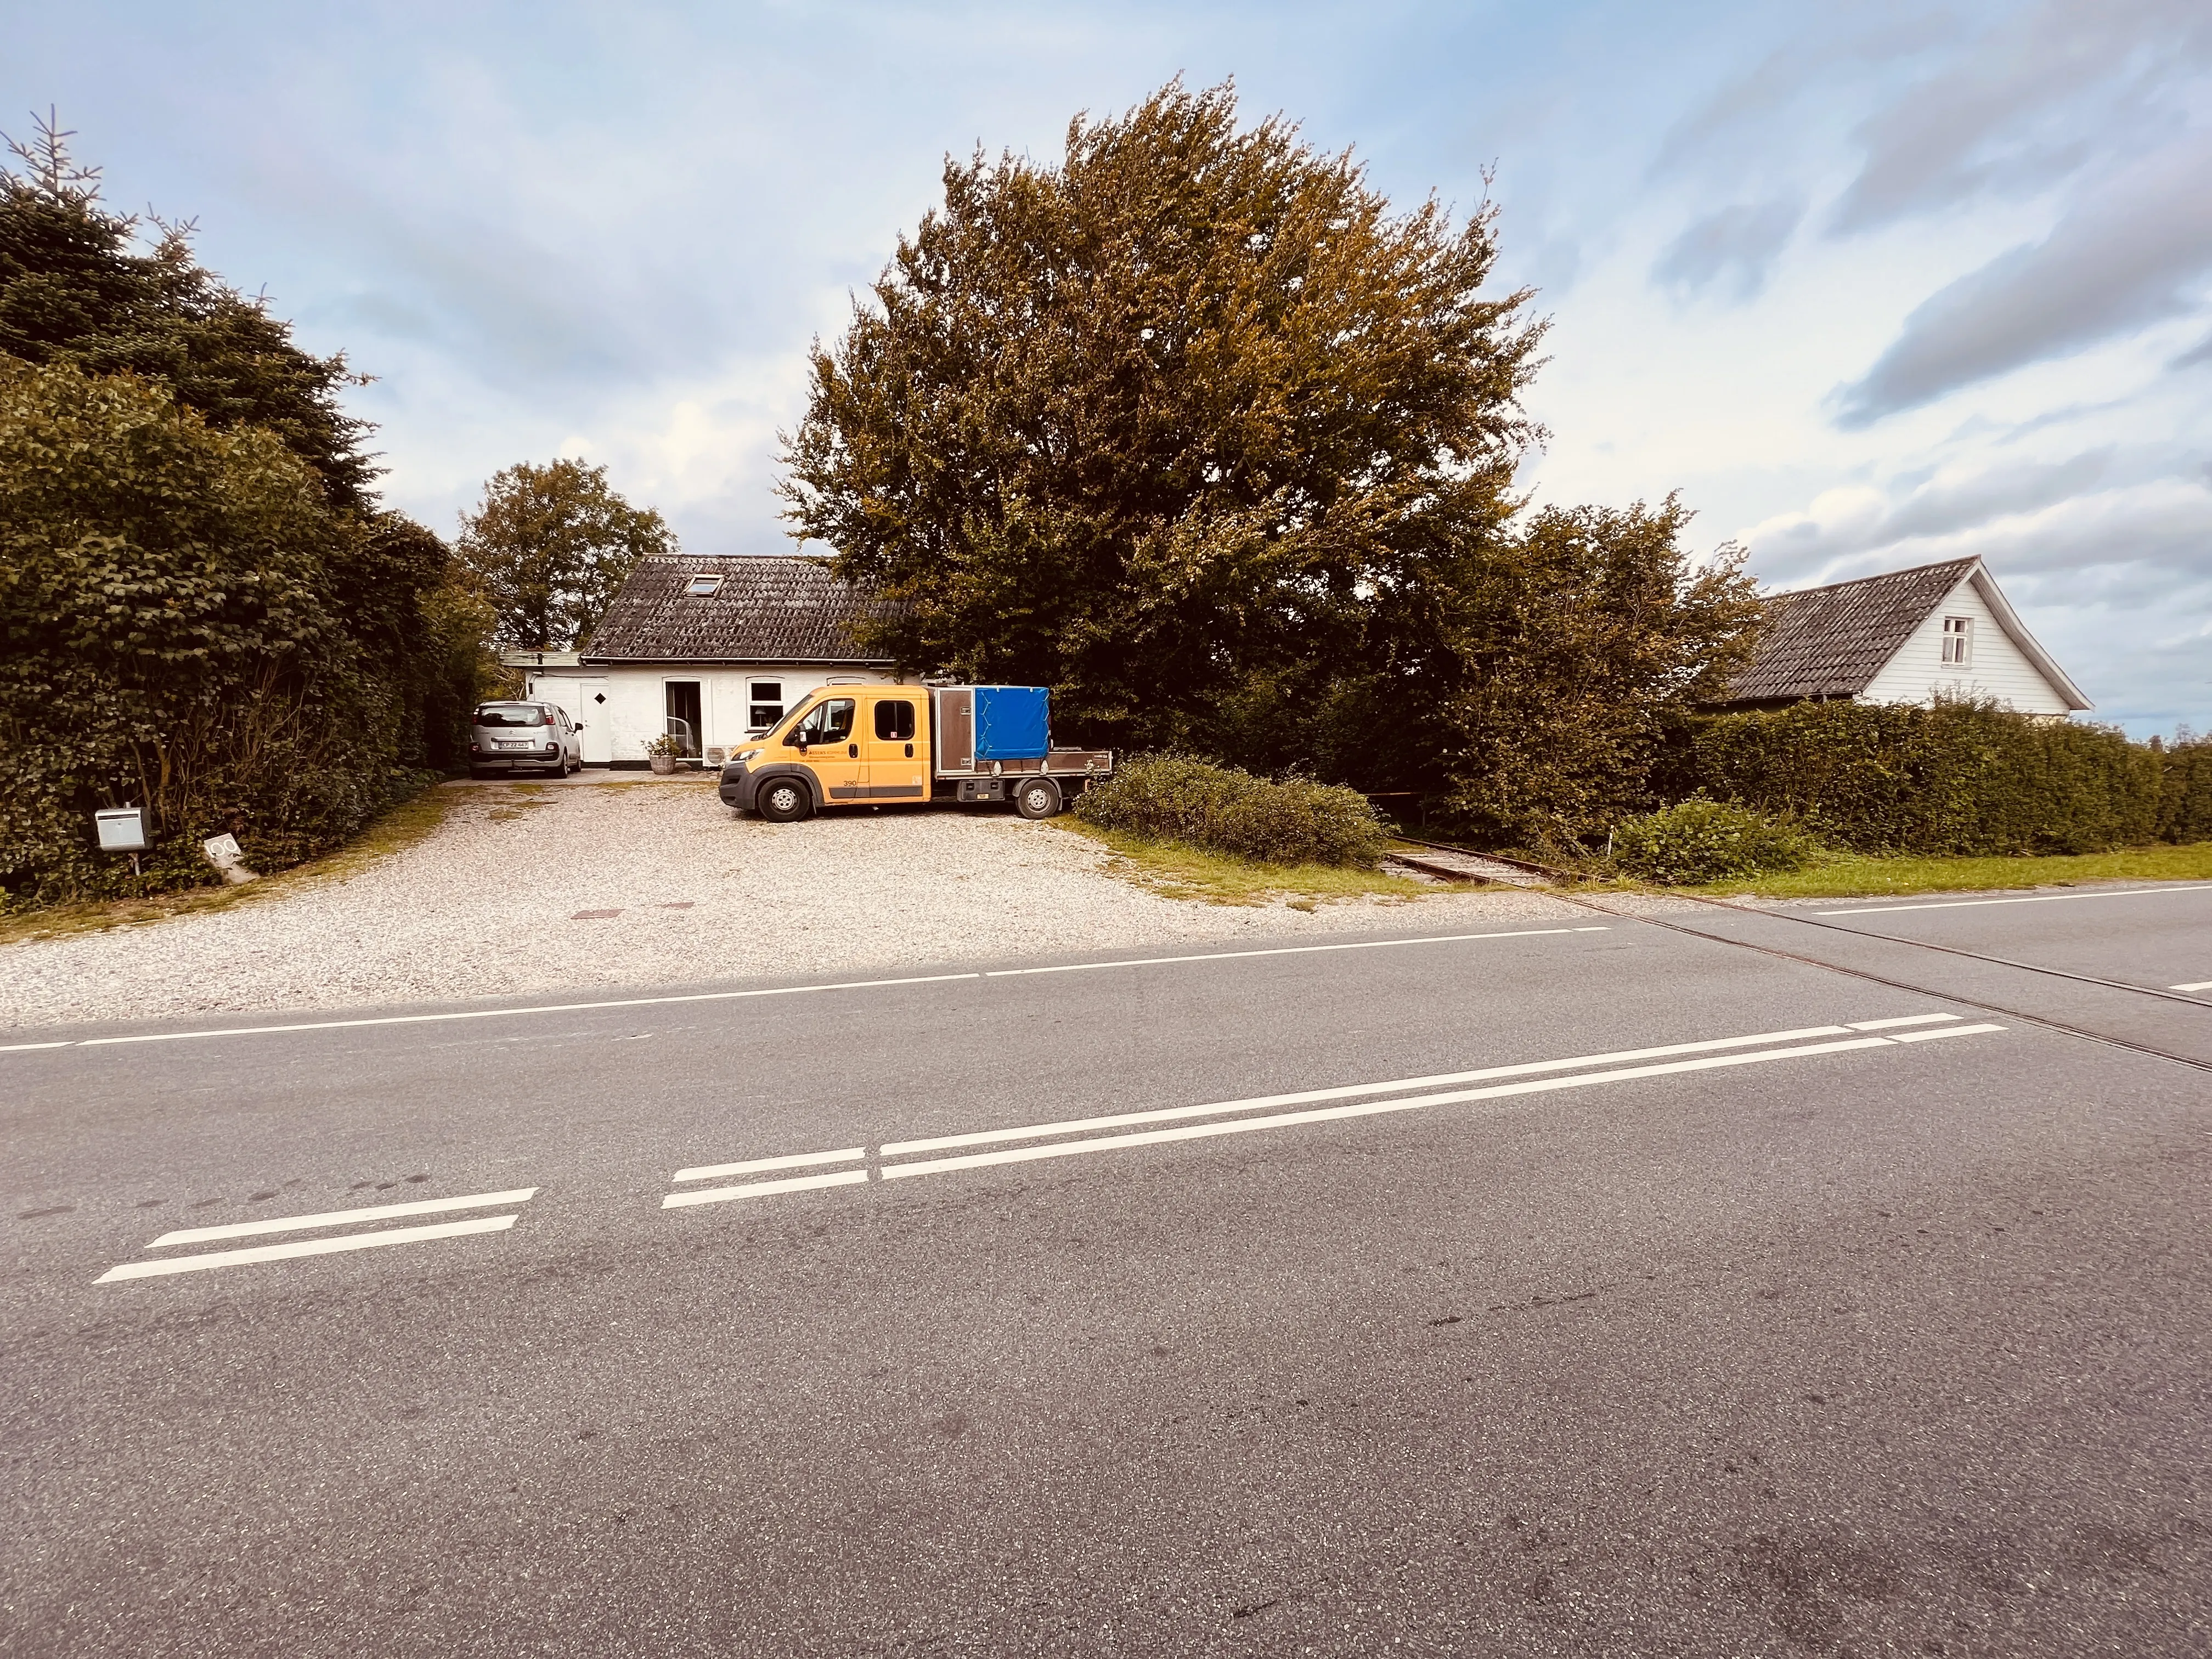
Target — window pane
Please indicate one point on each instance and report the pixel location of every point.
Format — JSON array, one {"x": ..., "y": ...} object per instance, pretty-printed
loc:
[
  {"x": 767, "y": 690},
  {"x": 837, "y": 725},
  {"x": 894, "y": 722}
]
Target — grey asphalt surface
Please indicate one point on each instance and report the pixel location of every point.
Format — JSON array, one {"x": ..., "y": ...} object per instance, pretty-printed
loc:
[{"x": 1900, "y": 1349}]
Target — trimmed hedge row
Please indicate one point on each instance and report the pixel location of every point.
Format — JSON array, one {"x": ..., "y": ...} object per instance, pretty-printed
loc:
[
  {"x": 1295, "y": 821},
  {"x": 1957, "y": 779}
]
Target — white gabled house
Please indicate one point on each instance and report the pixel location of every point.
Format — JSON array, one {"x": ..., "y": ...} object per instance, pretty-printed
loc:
[
  {"x": 710, "y": 649},
  {"x": 1906, "y": 636}
]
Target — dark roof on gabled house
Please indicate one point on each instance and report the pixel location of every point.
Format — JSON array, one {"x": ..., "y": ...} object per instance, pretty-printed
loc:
[
  {"x": 1831, "y": 641},
  {"x": 766, "y": 608}
]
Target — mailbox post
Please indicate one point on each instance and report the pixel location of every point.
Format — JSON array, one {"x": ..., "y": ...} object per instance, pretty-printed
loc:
[{"x": 122, "y": 830}]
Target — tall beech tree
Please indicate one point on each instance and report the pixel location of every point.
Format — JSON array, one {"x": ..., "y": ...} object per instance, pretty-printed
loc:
[
  {"x": 548, "y": 547},
  {"x": 1196, "y": 427}
]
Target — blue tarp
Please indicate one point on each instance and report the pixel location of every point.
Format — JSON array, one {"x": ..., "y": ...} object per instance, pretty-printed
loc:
[{"x": 1012, "y": 722}]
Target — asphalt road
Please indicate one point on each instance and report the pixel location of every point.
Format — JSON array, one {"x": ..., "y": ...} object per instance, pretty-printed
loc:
[{"x": 1794, "y": 1338}]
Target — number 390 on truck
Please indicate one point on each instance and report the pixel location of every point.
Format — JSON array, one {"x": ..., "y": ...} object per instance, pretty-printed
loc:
[{"x": 867, "y": 745}]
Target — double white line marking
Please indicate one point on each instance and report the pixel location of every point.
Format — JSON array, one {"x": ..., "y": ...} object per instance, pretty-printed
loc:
[
  {"x": 1233, "y": 1117},
  {"x": 368, "y": 1241}
]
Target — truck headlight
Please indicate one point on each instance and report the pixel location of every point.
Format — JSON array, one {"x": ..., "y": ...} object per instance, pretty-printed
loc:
[{"x": 744, "y": 755}]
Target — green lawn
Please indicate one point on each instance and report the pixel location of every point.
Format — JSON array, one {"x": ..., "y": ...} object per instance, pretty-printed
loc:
[
  {"x": 1176, "y": 869},
  {"x": 1850, "y": 876}
]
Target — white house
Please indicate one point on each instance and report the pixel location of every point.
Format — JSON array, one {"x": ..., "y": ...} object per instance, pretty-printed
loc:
[
  {"x": 711, "y": 648},
  {"x": 1908, "y": 636}
]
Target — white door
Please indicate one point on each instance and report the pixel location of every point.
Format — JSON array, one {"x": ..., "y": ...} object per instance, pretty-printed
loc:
[{"x": 586, "y": 700}]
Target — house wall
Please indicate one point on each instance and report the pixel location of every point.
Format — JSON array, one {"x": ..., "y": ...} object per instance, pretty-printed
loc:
[
  {"x": 1999, "y": 669},
  {"x": 635, "y": 711}
]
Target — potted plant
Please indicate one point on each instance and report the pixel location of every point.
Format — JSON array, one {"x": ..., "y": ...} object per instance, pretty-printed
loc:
[{"x": 663, "y": 751}]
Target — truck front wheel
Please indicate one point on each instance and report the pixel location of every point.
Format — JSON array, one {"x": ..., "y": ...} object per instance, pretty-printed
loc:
[
  {"x": 1037, "y": 798},
  {"x": 783, "y": 800}
]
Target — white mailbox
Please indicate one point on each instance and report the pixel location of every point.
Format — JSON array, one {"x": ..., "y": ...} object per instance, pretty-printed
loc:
[{"x": 122, "y": 828}]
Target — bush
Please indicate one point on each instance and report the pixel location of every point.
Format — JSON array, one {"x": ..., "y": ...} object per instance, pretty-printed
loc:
[
  {"x": 1295, "y": 821},
  {"x": 1957, "y": 779},
  {"x": 170, "y": 638},
  {"x": 1700, "y": 841}
]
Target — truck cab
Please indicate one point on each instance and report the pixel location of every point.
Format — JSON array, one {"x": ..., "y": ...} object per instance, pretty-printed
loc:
[{"x": 856, "y": 746}]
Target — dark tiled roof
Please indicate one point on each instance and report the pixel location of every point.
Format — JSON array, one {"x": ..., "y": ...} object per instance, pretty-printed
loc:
[
  {"x": 771, "y": 608},
  {"x": 1831, "y": 641}
]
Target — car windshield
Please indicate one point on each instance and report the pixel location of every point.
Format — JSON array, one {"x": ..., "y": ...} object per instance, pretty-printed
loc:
[{"x": 510, "y": 713}]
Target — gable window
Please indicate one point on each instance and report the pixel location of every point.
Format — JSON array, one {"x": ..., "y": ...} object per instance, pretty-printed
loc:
[
  {"x": 764, "y": 704},
  {"x": 1958, "y": 641},
  {"x": 703, "y": 587}
]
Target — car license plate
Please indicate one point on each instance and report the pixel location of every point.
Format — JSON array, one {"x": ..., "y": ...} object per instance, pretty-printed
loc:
[{"x": 515, "y": 743}]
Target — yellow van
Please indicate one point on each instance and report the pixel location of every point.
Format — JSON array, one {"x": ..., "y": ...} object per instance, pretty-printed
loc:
[{"x": 858, "y": 745}]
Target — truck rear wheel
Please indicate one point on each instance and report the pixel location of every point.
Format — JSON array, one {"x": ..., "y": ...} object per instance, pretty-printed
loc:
[
  {"x": 783, "y": 800},
  {"x": 1037, "y": 798}
]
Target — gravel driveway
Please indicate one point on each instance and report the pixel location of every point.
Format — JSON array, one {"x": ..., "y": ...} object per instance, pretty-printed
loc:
[{"x": 655, "y": 884}]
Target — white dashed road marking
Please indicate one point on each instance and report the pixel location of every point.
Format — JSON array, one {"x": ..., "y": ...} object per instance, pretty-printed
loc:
[
  {"x": 298, "y": 1247},
  {"x": 1071, "y": 1137},
  {"x": 305, "y": 1246},
  {"x": 2200, "y": 985}
]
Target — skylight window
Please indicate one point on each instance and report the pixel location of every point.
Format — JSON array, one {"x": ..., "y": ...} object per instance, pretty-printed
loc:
[{"x": 704, "y": 587}]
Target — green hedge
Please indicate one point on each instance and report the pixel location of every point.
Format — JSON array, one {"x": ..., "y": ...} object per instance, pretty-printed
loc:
[
  {"x": 1295, "y": 821},
  {"x": 1956, "y": 779}
]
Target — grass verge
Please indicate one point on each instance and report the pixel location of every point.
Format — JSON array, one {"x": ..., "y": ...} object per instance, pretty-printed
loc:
[
  {"x": 1852, "y": 876},
  {"x": 1176, "y": 870},
  {"x": 396, "y": 829}
]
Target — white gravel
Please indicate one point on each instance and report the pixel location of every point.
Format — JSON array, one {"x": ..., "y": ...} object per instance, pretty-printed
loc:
[{"x": 489, "y": 906}]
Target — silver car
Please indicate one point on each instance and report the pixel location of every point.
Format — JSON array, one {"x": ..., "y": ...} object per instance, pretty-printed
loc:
[{"x": 522, "y": 737}]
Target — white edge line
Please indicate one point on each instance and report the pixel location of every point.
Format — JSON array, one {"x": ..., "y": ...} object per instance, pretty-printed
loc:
[
  {"x": 2036, "y": 898},
  {"x": 342, "y": 1217},
  {"x": 794, "y": 1161},
  {"x": 1037, "y": 1131},
  {"x": 192, "y": 1264},
  {"x": 1948, "y": 1031},
  {"x": 502, "y": 1013},
  {"x": 2200, "y": 985},
  {"x": 1901, "y": 1019},
  {"x": 775, "y": 991},
  {"x": 1288, "y": 950},
  {"x": 762, "y": 1189},
  {"x": 1366, "y": 1109}
]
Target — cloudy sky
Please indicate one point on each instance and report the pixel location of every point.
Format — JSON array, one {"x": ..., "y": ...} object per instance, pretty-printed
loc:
[{"x": 1872, "y": 285}]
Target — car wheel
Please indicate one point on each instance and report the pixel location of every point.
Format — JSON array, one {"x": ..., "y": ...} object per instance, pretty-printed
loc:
[
  {"x": 783, "y": 800},
  {"x": 1037, "y": 798}
]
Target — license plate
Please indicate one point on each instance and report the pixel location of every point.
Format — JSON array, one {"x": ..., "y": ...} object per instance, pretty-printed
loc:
[{"x": 515, "y": 743}]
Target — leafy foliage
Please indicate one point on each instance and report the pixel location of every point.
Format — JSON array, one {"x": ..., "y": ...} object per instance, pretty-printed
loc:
[
  {"x": 1526, "y": 681},
  {"x": 202, "y": 609},
  {"x": 73, "y": 290},
  {"x": 1958, "y": 778},
  {"x": 2184, "y": 802},
  {"x": 549, "y": 546},
  {"x": 1196, "y": 428},
  {"x": 1149, "y": 423},
  {"x": 1292, "y": 821},
  {"x": 1700, "y": 841},
  {"x": 172, "y": 634}
]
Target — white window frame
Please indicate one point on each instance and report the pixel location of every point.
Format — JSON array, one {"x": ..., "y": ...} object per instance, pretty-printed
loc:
[
  {"x": 1958, "y": 642},
  {"x": 703, "y": 587},
  {"x": 754, "y": 702}
]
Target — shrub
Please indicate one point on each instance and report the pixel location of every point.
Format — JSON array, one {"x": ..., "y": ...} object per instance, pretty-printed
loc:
[
  {"x": 2185, "y": 805},
  {"x": 168, "y": 638},
  {"x": 1955, "y": 779},
  {"x": 1294, "y": 821},
  {"x": 1699, "y": 841}
]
